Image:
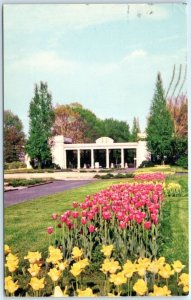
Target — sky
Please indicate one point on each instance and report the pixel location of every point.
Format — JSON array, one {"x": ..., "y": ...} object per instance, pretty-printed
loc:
[{"x": 104, "y": 56}]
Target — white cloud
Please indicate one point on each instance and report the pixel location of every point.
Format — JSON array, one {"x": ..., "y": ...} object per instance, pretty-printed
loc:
[{"x": 138, "y": 53}]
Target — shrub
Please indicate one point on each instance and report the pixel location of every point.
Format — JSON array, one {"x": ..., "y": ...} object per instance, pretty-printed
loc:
[
  {"x": 25, "y": 182},
  {"x": 14, "y": 165},
  {"x": 182, "y": 162},
  {"x": 146, "y": 164}
]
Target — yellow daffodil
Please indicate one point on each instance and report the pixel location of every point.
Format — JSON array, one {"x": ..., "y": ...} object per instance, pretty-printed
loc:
[
  {"x": 118, "y": 279},
  {"x": 7, "y": 249},
  {"x": 58, "y": 292},
  {"x": 184, "y": 280},
  {"x": 86, "y": 293},
  {"x": 110, "y": 265},
  {"x": 55, "y": 255},
  {"x": 178, "y": 266},
  {"x": 77, "y": 253},
  {"x": 107, "y": 250},
  {"x": 34, "y": 270},
  {"x": 12, "y": 262},
  {"x": 36, "y": 283},
  {"x": 160, "y": 291},
  {"x": 166, "y": 271},
  {"x": 140, "y": 287},
  {"x": 54, "y": 274},
  {"x": 142, "y": 265},
  {"x": 62, "y": 265},
  {"x": 10, "y": 285},
  {"x": 33, "y": 257},
  {"x": 153, "y": 267},
  {"x": 129, "y": 269}
]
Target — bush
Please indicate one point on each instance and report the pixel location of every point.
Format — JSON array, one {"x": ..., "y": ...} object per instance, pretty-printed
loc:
[
  {"x": 25, "y": 182},
  {"x": 182, "y": 162},
  {"x": 14, "y": 165},
  {"x": 146, "y": 164}
]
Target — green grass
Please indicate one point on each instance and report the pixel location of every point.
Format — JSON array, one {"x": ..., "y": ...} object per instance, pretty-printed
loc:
[
  {"x": 25, "y": 224},
  {"x": 165, "y": 168}
]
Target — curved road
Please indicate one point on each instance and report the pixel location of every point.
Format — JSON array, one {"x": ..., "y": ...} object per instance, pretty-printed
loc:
[{"x": 18, "y": 196}]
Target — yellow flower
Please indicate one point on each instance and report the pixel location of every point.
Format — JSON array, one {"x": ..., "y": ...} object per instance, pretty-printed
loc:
[
  {"x": 7, "y": 249},
  {"x": 83, "y": 263},
  {"x": 160, "y": 291},
  {"x": 76, "y": 269},
  {"x": 77, "y": 253},
  {"x": 129, "y": 269},
  {"x": 36, "y": 283},
  {"x": 110, "y": 265},
  {"x": 166, "y": 271},
  {"x": 34, "y": 270},
  {"x": 86, "y": 293},
  {"x": 184, "y": 280},
  {"x": 107, "y": 250},
  {"x": 153, "y": 267},
  {"x": 55, "y": 255},
  {"x": 142, "y": 265},
  {"x": 178, "y": 266},
  {"x": 10, "y": 285},
  {"x": 118, "y": 279},
  {"x": 140, "y": 287},
  {"x": 33, "y": 257},
  {"x": 12, "y": 262},
  {"x": 62, "y": 265},
  {"x": 58, "y": 292},
  {"x": 54, "y": 274}
]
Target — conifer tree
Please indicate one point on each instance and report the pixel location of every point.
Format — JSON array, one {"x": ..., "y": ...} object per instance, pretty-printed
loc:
[
  {"x": 135, "y": 130},
  {"x": 160, "y": 126},
  {"x": 41, "y": 121}
]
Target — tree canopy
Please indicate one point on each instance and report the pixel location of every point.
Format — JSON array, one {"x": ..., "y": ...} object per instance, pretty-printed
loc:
[{"x": 14, "y": 137}]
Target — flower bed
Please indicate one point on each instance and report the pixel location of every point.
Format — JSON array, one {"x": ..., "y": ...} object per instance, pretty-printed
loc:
[
  {"x": 126, "y": 215},
  {"x": 52, "y": 276}
]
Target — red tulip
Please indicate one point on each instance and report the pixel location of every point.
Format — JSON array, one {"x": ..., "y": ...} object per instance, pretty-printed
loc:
[
  {"x": 54, "y": 216},
  {"x": 83, "y": 220},
  {"x": 147, "y": 225},
  {"x": 91, "y": 228},
  {"x": 75, "y": 204}
]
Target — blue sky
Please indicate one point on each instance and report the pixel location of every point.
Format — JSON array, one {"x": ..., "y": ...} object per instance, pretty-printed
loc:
[{"x": 105, "y": 57}]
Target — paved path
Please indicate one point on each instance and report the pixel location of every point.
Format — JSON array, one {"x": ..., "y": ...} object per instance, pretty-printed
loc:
[{"x": 18, "y": 196}]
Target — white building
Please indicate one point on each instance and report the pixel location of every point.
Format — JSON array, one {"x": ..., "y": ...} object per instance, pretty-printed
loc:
[{"x": 62, "y": 149}]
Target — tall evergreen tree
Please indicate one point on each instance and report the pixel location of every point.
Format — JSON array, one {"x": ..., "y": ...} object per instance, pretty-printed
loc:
[
  {"x": 135, "y": 130},
  {"x": 160, "y": 126},
  {"x": 41, "y": 116}
]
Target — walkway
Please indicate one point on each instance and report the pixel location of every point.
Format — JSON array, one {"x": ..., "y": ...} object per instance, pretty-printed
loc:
[{"x": 18, "y": 196}]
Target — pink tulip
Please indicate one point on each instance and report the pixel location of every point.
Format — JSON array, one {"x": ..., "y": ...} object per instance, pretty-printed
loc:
[
  {"x": 122, "y": 224},
  {"x": 83, "y": 220},
  {"x": 91, "y": 228},
  {"x": 75, "y": 204},
  {"x": 147, "y": 225},
  {"x": 54, "y": 216},
  {"x": 50, "y": 230},
  {"x": 75, "y": 214}
]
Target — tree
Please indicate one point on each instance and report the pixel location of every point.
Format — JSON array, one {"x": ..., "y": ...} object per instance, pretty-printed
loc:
[
  {"x": 41, "y": 116},
  {"x": 68, "y": 123},
  {"x": 93, "y": 125},
  {"x": 160, "y": 126},
  {"x": 135, "y": 130},
  {"x": 117, "y": 130},
  {"x": 14, "y": 137}
]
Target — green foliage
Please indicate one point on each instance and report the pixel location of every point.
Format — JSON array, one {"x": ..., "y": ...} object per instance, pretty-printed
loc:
[
  {"x": 14, "y": 165},
  {"x": 112, "y": 176},
  {"x": 182, "y": 162},
  {"x": 25, "y": 182},
  {"x": 135, "y": 130},
  {"x": 14, "y": 137},
  {"x": 117, "y": 130},
  {"x": 41, "y": 120},
  {"x": 160, "y": 126},
  {"x": 146, "y": 164}
]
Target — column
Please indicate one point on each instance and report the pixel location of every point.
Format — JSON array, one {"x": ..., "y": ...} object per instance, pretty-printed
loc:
[
  {"x": 92, "y": 159},
  {"x": 122, "y": 158},
  {"x": 64, "y": 159},
  {"x": 78, "y": 159},
  {"x": 107, "y": 158}
]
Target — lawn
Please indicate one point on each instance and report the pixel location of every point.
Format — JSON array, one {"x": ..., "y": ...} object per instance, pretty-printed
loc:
[{"x": 26, "y": 223}]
